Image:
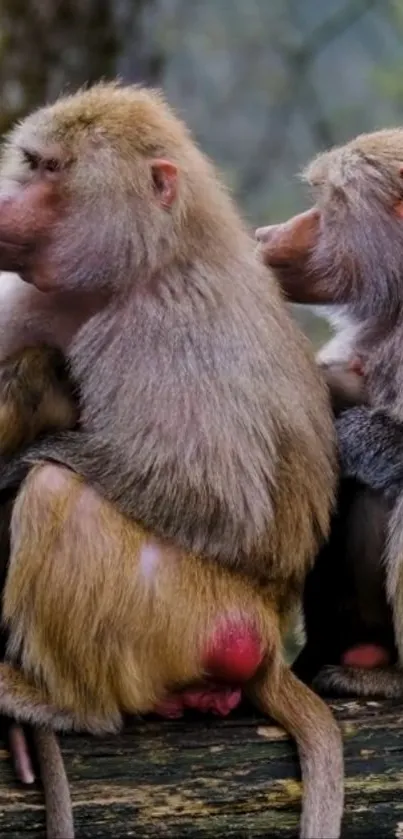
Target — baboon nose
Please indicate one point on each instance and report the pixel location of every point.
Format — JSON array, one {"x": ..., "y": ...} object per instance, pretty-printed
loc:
[{"x": 263, "y": 234}]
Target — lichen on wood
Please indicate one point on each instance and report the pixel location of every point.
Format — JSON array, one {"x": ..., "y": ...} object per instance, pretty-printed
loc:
[{"x": 203, "y": 778}]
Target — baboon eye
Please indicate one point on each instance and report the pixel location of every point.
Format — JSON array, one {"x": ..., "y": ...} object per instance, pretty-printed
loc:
[
  {"x": 51, "y": 165},
  {"x": 32, "y": 159},
  {"x": 37, "y": 163}
]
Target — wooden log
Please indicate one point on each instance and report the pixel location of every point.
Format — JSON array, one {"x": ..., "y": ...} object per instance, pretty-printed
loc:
[{"x": 202, "y": 778}]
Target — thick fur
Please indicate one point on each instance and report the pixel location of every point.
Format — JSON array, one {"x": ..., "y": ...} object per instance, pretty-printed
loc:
[
  {"x": 36, "y": 396},
  {"x": 59, "y": 810},
  {"x": 196, "y": 421},
  {"x": 203, "y": 419},
  {"x": 371, "y": 450},
  {"x": 349, "y": 258},
  {"x": 98, "y": 634}
]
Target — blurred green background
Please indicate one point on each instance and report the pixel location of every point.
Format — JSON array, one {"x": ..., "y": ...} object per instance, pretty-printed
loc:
[{"x": 264, "y": 84}]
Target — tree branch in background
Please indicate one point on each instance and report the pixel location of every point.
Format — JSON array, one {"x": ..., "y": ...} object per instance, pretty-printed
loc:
[
  {"x": 47, "y": 46},
  {"x": 298, "y": 59}
]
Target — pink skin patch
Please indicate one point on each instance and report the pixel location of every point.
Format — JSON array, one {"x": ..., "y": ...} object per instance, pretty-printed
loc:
[
  {"x": 356, "y": 366},
  {"x": 149, "y": 560},
  {"x": 232, "y": 656},
  {"x": 206, "y": 698},
  {"x": 234, "y": 653},
  {"x": 20, "y": 754},
  {"x": 367, "y": 656}
]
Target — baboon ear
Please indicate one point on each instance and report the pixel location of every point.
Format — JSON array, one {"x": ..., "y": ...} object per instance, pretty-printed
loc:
[{"x": 165, "y": 181}]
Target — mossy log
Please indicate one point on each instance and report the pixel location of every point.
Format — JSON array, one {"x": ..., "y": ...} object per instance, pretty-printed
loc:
[{"x": 203, "y": 778}]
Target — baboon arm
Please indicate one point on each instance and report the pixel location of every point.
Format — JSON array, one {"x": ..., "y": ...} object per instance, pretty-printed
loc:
[
  {"x": 71, "y": 449},
  {"x": 381, "y": 682},
  {"x": 371, "y": 449}
]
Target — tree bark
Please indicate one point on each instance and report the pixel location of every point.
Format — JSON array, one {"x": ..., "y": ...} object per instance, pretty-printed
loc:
[
  {"x": 207, "y": 779},
  {"x": 50, "y": 46}
]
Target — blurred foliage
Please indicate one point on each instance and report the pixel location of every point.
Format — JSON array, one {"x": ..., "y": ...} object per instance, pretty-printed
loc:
[
  {"x": 49, "y": 46},
  {"x": 264, "y": 84}
]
